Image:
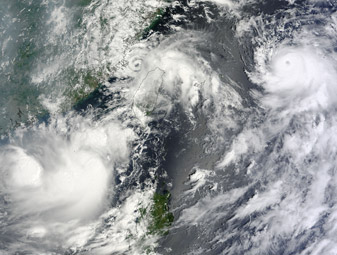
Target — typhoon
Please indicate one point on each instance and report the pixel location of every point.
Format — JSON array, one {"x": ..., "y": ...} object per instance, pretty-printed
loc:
[{"x": 168, "y": 127}]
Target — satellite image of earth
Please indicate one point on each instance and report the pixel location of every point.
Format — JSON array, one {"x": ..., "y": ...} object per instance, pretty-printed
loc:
[{"x": 188, "y": 127}]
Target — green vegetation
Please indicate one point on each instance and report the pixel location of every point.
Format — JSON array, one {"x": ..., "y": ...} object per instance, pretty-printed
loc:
[
  {"x": 142, "y": 212},
  {"x": 26, "y": 52},
  {"x": 103, "y": 21},
  {"x": 161, "y": 218},
  {"x": 147, "y": 109},
  {"x": 84, "y": 2},
  {"x": 154, "y": 18},
  {"x": 157, "y": 218},
  {"x": 81, "y": 84},
  {"x": 149, "y": 249},
  {"x": 80, "y": 3}
]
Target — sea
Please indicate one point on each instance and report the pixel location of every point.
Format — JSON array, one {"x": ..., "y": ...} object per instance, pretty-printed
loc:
[{"x": 167, "y": 127}]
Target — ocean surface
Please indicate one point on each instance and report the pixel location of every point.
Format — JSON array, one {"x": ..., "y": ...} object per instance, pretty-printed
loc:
[{"x": 168, "y": 127}]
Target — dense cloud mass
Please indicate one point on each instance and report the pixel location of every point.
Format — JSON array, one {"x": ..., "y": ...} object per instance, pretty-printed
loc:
[{"x": 168, "y": 127}]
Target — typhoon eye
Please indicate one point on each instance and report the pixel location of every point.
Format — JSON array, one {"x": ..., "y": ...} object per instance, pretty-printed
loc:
[
  {"x": 135, "y": 64},
  {"x": 204, "y": 140}
]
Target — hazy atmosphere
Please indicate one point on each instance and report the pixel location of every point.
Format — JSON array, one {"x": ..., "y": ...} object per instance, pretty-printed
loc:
[{"x": 161, "y": 127}]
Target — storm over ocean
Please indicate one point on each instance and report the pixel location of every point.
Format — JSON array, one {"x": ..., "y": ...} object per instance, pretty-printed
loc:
[{"x": 168, "y": 127}]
